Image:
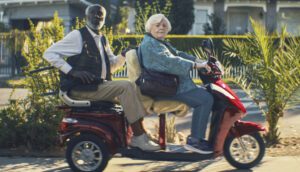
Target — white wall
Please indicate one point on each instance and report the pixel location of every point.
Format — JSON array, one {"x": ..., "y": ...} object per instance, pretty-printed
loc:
[
  {"x": 201, "y": 11},
  {"x": 289, "y": 17},
  {"x": 238, "y": 19},
  {"x": 131, "y": 20}
]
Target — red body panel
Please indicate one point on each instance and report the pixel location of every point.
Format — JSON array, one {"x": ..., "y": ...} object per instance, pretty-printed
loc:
[
  {"x": 245, "y": 127},
  {"x": 162, "y": 131},
  {"x": 108, "y": 126},
  {"x": 236, "y": 102}
]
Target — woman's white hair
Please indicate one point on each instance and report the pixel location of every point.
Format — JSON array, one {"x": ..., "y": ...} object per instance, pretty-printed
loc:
[{"x": 157, "y": 18}]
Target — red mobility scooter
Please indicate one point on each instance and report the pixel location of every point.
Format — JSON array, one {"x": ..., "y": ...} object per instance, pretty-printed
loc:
[{"x": 95, "y": 131}]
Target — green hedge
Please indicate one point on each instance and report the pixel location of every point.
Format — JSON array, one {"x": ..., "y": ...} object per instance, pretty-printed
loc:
[
  {"x": 186, "y": 43},
  {"x": 29, "y": 125}
]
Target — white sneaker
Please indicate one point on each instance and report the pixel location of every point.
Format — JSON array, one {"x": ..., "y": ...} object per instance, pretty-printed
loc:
[{"x": 144, "y": 143}]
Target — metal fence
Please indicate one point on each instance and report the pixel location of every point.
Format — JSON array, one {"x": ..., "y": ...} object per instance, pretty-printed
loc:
[
  {"x": 5, "y": 57},
  {"x": 121, "y": 74},
  {"x": 5, "y": 71},
  {"x": 232, "y": 72}
]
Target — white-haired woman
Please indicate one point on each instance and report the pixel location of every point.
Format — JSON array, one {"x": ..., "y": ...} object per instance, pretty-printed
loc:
[{"x": 160, "y": 55}]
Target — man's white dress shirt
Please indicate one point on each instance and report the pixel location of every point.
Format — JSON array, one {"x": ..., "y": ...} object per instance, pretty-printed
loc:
[{"x": 72, "y": 44}]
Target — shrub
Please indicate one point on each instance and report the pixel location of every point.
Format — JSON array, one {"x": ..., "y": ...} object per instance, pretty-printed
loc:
[
  {"x": 33, "y": 122},
  {"x": 274, "y": 69},
  {"x": 33, "y": 126}
]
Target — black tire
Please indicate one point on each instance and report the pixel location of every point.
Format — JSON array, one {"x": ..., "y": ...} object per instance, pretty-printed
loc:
[
  {"x": 92, "y": 145},
  {"x": 230, "y": 142}
]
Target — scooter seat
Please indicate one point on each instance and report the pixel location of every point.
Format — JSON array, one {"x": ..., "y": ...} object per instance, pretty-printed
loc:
[
  {"x": 99, "y": 106},
  {"x": 105, "y": 104},
  {"x": 83, "y": 103}
]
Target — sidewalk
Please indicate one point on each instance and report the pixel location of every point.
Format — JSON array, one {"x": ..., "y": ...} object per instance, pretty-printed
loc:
[
  {"x": 274, "y": 164},
  {"x": 6, "y": 94},
  {"x": 23, "y": 164}
]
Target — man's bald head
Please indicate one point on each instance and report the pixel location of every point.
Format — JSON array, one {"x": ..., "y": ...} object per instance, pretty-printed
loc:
[{"x": 95, "y": 16}]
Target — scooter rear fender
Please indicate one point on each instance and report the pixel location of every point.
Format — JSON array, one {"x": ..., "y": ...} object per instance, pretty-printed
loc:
[
  {"x": 244, "y": 127},
  {"x": 110, "y": 138}
]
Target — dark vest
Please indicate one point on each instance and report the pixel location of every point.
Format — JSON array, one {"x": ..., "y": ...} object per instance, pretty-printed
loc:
[{"x": 88, "y": 60}]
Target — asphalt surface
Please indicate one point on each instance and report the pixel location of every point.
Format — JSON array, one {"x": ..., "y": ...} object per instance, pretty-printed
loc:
[{"x": 25, "y": 164}]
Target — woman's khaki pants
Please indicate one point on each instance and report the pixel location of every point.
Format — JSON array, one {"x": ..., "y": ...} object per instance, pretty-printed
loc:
[{"x": 121, "y": 91}]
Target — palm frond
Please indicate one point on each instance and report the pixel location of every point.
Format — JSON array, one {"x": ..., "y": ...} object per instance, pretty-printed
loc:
[{"x": 273, "y": 63}]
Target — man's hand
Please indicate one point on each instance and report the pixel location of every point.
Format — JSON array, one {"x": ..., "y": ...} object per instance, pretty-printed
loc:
[
  {"x": 125, "y": 50},
  {"x": 84, "y": 76}
]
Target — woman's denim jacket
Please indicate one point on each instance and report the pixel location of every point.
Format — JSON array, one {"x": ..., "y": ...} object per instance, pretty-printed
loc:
[{"x": 156, "y": 56}]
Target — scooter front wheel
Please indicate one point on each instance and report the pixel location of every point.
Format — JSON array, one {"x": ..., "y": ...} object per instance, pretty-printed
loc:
[
  {"x": 244, "y": 152},
  {"x": 87, "y": 153}
]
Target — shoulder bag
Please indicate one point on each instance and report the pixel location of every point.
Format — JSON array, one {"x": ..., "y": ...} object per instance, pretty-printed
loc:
[{"x": 156, "y": 84}]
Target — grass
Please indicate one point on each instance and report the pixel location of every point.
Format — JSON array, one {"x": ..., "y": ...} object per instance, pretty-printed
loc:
[{"x": 17, "y": 82}]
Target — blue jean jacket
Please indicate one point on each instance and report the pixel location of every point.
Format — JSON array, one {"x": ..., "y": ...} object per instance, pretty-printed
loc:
[{"x": 157, "y": 56}]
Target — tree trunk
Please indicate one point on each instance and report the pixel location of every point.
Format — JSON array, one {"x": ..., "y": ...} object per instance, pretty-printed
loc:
[{"x": 273, "y": 134}]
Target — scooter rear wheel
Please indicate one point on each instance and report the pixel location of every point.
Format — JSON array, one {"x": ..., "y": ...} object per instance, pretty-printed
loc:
[
  {"x": 244, "y": 152},
  {"x": 86, "y": 153}
]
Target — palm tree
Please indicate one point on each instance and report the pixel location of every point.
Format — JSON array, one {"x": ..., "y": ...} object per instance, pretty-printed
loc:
[{"x": 274, "y": 61}]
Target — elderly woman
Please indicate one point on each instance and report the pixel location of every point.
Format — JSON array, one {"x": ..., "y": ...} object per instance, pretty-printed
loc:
[{"x": 160, "y": 56}]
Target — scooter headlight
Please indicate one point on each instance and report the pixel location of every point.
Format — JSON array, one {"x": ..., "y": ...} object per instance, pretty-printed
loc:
[{"x": 70, "y": 120}]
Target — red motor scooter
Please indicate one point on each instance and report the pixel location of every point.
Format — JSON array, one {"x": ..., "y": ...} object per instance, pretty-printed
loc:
[{"x": 95, "y": 131}]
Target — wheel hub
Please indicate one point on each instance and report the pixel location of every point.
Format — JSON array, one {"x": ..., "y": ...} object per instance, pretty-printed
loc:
[
  {"x": 87, "y": 156},
  {"x": 244, "y": 149}
]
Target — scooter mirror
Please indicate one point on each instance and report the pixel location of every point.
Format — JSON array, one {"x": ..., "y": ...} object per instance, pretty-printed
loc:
[{"x": 208, "y": 46}]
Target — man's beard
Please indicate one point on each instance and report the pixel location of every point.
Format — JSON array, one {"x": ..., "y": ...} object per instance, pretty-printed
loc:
[{"x": 95, "y": 27}]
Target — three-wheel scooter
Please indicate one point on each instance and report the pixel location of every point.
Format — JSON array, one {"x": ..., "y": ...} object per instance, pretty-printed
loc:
[{"x": 95, "y": 131}]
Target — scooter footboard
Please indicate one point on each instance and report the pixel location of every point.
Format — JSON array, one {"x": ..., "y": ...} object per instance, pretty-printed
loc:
[{"x": 245, "y": 127}]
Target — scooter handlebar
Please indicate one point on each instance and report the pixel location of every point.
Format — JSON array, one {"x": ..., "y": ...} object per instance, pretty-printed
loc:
[{"x": 214, "y": 68}]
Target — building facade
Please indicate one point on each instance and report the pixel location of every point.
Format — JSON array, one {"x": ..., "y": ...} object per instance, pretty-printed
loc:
[
  {"x": 236, "y": 14},
  {"x": 14, "y": 14}
]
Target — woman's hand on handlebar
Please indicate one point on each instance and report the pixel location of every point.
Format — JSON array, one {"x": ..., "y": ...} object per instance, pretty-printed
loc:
[{"x": 203, "y": 65}]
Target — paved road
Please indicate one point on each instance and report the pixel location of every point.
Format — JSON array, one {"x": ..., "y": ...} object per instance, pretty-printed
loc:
[
  {"x": 17, "y": 164},
  {"x": 274, "y": 164}
]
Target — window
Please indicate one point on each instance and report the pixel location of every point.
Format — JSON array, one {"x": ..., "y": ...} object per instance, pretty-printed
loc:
[
  {"x": 238, "y": 22},
  {"x": 201, "y": 17}
]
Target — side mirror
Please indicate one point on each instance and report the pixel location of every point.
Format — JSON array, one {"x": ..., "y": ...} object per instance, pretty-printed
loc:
[{"x": 208, "y": 46}]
